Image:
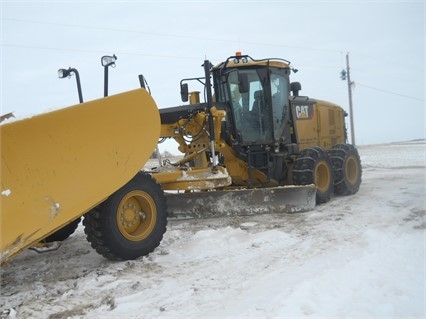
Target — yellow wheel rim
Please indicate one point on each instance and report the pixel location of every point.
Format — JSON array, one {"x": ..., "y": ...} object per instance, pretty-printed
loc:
[
  {"x": 352, "y": 170},
  {"x": 322, "y": 176},
  {"x": 136, "y": 215}
]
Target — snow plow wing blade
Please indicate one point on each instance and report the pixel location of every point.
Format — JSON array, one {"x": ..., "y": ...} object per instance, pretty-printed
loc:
[
  {"x": 287, "y": 199},
  {"x": 58, "y": 165}
]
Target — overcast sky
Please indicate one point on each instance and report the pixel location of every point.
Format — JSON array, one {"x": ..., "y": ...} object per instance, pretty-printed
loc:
[{"x": 168, "y": 40}]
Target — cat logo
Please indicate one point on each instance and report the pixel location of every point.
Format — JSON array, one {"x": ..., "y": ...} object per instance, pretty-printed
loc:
[{"x": 303, "y": 112}]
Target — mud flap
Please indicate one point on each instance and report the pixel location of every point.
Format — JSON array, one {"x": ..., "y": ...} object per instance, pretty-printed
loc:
[{"x": 287, "y": 199}]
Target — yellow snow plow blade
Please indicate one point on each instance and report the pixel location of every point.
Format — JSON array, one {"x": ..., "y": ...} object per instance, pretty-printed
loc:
[
  {"x": 242, "y": 202},
  {"x": 56, "y": 166}
]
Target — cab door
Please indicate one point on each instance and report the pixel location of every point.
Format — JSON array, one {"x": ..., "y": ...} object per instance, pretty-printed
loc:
[{"x": 280, "y": 105}]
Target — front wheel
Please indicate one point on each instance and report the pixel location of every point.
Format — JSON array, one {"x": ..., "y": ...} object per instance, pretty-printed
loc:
[
  {"x": 313, "y": 166},
  {"x": 131, "y": 222}
]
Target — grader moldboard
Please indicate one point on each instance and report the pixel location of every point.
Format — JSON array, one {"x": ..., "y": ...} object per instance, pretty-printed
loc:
[{"x": 250, "y": 147}]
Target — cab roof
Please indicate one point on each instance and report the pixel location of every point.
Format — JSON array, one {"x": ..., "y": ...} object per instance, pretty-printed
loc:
[{"x": 241, "y": 61}]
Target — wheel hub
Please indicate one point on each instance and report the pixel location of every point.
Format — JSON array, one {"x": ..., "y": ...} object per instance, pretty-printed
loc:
[
  {"x": 322, "y": 174},
  {"x": 136, "y": 215},
  {"x": 352, "y": 170},
  {"x": 131, "y": 214}
]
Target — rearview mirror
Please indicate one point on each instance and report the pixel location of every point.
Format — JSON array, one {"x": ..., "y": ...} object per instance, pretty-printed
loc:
[
  {"x": 295, "y": 87},
  {"x": 184, "y": 91},
  {"x": 243, "y": 84}
]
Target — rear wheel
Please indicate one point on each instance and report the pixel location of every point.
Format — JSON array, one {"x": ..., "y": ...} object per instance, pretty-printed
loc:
[
  {"x": 131, "y": 222},
  {"x": 347, "y": 169},
  {"x": 313, "y": 166}
]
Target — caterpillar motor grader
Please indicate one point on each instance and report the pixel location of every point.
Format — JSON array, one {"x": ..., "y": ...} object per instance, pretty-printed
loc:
[{"x": 250, "y": 147}]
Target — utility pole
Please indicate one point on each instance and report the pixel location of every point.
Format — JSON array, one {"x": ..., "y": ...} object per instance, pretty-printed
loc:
[{"x": 345, "y": 75}]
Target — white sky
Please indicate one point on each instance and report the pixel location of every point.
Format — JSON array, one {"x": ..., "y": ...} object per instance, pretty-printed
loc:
[{"x": 168, "y": 40}]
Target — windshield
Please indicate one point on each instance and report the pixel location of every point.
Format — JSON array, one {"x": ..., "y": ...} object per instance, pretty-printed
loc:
[{"x": 250, "y": 108}]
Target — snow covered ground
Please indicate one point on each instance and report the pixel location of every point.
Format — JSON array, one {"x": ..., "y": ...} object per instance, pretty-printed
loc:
[{"x": 355, "y": 257}]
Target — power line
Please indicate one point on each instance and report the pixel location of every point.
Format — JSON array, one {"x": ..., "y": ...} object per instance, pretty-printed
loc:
[
  {"x": 109, "y": 29},
  {"x": 95, "y": 51},
  {"x": 389, "y": 92}
]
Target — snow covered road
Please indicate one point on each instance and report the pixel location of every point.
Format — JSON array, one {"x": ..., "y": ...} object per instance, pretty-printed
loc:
[{"x": 359, "y": 256}]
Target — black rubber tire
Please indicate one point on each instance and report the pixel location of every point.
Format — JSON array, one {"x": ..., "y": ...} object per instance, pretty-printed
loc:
[
  {"x": 313, "y": 166},
  {"x": 347, "y": 169},
  {"x": 131, "y": 222},
  {"x": 64, "y": 232}
]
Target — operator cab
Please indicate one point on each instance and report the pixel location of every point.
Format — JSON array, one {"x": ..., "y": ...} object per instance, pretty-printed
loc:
[{"x": 257, "y": 93}]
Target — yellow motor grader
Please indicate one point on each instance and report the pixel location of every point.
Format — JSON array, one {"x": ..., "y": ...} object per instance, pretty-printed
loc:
[{"x": 253, "y": 145}]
